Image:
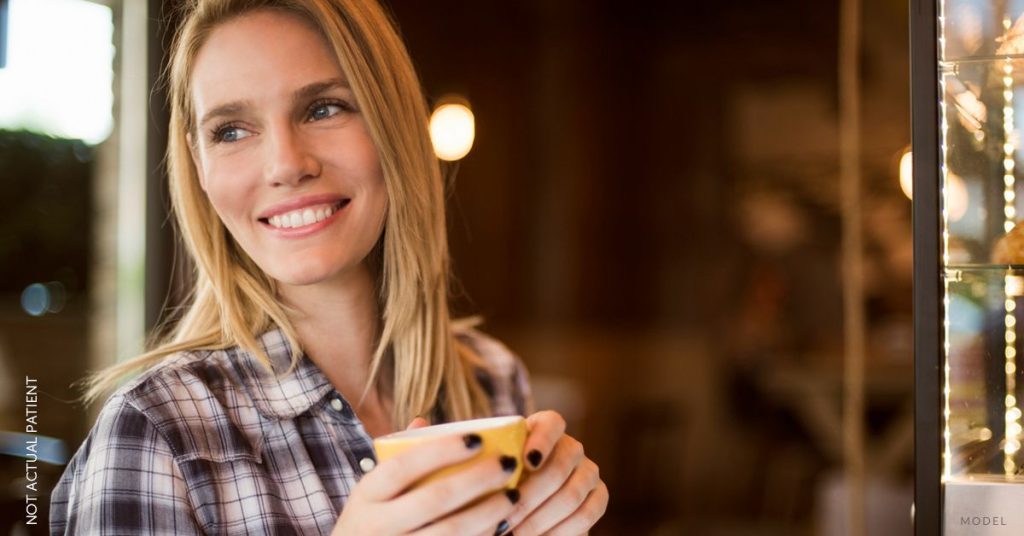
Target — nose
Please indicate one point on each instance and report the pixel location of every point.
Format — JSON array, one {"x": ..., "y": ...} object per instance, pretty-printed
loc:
[{"x": 288, "y": 161}]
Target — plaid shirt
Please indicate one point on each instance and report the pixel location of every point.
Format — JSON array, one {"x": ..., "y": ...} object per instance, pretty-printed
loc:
[{"x": 212, "y": 442}]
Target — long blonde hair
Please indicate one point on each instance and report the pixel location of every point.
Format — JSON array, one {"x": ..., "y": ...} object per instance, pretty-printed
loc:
[{"x": 417, "y": 358}]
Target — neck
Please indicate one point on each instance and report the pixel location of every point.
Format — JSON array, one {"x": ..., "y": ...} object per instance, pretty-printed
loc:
[{"x": 337, "y": 322}]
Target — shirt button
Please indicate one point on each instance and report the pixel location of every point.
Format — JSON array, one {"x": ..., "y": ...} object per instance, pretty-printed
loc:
[
  {"x": 367, "y": 464},
  {"x": 337, "y": 404}
]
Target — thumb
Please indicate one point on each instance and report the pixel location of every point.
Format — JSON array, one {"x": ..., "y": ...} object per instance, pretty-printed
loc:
[{"x": 418, "y": 422}]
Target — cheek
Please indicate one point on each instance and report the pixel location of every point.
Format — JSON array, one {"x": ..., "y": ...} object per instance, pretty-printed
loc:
[
  {"x": 378, "y": 207},
  {"x": 226, "y": 194},
  {"x": 381, "y": 207},
  {"x": 220, "y": 200},
  {"x": 365, "y": 164}
]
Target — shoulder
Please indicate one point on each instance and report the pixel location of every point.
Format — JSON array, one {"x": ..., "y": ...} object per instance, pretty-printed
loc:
[
  {"x": 197, "y": 403},
  {"x": 119, "y": 427},
  {"x": 188, "y": 407},
  {"x": 500, "y": 372},
  {"x": 122, "y": 479}
]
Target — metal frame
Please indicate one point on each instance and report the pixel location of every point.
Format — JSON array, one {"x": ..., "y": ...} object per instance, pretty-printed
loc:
[{"x": 924, "y": 85}]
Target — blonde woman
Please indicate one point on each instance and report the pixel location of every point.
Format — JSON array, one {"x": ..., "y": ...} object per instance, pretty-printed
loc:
[{"x": 307, "y": 193}]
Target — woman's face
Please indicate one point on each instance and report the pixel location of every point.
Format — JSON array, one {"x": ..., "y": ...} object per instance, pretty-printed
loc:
[{"x": 282, "y": 151}]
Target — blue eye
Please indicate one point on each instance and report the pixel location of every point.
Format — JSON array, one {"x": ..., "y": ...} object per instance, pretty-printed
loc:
[
  {"x": 229, "y": 134},
  {"x": 323, "y": 109}
]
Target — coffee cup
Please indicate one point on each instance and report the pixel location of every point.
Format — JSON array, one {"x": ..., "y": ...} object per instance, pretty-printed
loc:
[{"x": 501, "y": 436}]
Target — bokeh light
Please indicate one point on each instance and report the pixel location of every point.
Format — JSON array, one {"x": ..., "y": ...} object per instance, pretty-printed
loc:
[
  {"x": 35, "y": 299},
  {"x": 452, "y": 130},
  {"x": 907, "y": 173},
  {"x": 957, "y": 197},
  {"x": 40, "y": 298}
]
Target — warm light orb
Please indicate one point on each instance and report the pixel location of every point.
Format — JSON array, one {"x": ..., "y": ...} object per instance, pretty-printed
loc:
[
  {"x": 452, "y": 130},
  {"x": 956, "y": 198},
  {"x": 907, "y": 173}
]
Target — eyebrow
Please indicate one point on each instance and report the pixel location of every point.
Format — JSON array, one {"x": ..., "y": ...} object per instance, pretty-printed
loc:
[
  {"x": 305, "y": 92},
  {"x": 316, "y": 88}
]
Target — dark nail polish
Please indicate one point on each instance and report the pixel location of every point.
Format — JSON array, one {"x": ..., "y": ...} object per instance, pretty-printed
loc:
[
  {"x": 502, "y": 527},
  {"x": 535, "y": 458},
  {"x": 513, "y": 495},
  {"x": 472, "y": 441},
  {"x": 508, "y": 463}
]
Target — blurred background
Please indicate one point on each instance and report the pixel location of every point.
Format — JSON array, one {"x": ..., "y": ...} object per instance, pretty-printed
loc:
[{"x": 648, "y": 215}]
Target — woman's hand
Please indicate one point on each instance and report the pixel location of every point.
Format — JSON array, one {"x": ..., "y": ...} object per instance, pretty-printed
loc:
[
  {"x": 382, "y": 504},
  {"x": 563, "y": 494}
]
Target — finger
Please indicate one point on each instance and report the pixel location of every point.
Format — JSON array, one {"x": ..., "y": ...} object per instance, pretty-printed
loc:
[
  {"x": 393, "y": 476},
  {"x": 545, "y": 427},
  {"x": 550, "y": 478},
  {"x": 563, "y": 503},
  {"x": 448, "y": 494},
  {"x": 585, "y": 516},
  {"x": 418, "y": 422},
  {"x": 485, "y": 517}
]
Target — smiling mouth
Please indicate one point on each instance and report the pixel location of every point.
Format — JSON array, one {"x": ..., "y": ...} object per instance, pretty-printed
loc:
[{"x": 304, "y": 216}]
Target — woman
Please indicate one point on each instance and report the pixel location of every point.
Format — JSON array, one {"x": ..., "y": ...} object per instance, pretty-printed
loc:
[{"x": 305, "y": 187}]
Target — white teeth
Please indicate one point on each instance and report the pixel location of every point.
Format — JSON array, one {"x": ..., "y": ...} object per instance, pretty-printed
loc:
[{"x": 301, "y": 217}]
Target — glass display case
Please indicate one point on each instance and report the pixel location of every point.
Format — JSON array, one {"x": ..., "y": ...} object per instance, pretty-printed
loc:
[{"x": 968, "y": 117}]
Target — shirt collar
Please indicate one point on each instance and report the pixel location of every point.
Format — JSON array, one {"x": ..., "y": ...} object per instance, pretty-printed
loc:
[{"x": 274, "y": 394}]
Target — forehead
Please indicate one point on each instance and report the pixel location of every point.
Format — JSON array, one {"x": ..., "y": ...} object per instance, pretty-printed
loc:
[{"x": 260, "y": 56}]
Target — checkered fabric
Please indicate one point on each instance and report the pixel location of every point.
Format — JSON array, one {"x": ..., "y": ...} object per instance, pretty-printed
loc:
[{"x": 211, "y": 442}]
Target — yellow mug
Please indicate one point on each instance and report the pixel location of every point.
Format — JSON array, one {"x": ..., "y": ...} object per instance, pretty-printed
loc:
[{"x": 502, "y": 436}]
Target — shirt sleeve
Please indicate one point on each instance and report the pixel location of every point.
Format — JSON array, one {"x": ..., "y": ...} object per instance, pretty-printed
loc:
[{"x": 122, "y": 480}]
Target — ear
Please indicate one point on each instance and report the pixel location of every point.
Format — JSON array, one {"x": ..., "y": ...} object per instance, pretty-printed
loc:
[{"x": 195, "y": 160}]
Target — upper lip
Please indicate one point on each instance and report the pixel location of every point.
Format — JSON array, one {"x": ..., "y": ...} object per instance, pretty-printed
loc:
[{"x": 300, "y": 202}]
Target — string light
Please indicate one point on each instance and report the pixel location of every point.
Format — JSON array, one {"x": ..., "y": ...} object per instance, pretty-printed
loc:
[
  {"x": 1009, "y": 180},
  {"x": 1012, "y": 283},
  {"x": 1012, "y": 413},
  {"x": 947, "y": 456}
]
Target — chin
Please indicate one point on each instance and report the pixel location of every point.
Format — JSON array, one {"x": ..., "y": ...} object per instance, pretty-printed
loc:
[
  {"x": 299, "y": 280},
  {"x": 300, "y": 277},
  {"x": 305, "y": 273}
]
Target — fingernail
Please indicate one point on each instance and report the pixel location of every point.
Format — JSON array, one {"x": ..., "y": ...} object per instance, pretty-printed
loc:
[
  {"x": 472, "y": 441},
  {"x": 513, "y": 495},
  {"x": 502, "y": 527},
  {"x": 508, "y": 464},
  {"x": 535, "y": 458}
]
